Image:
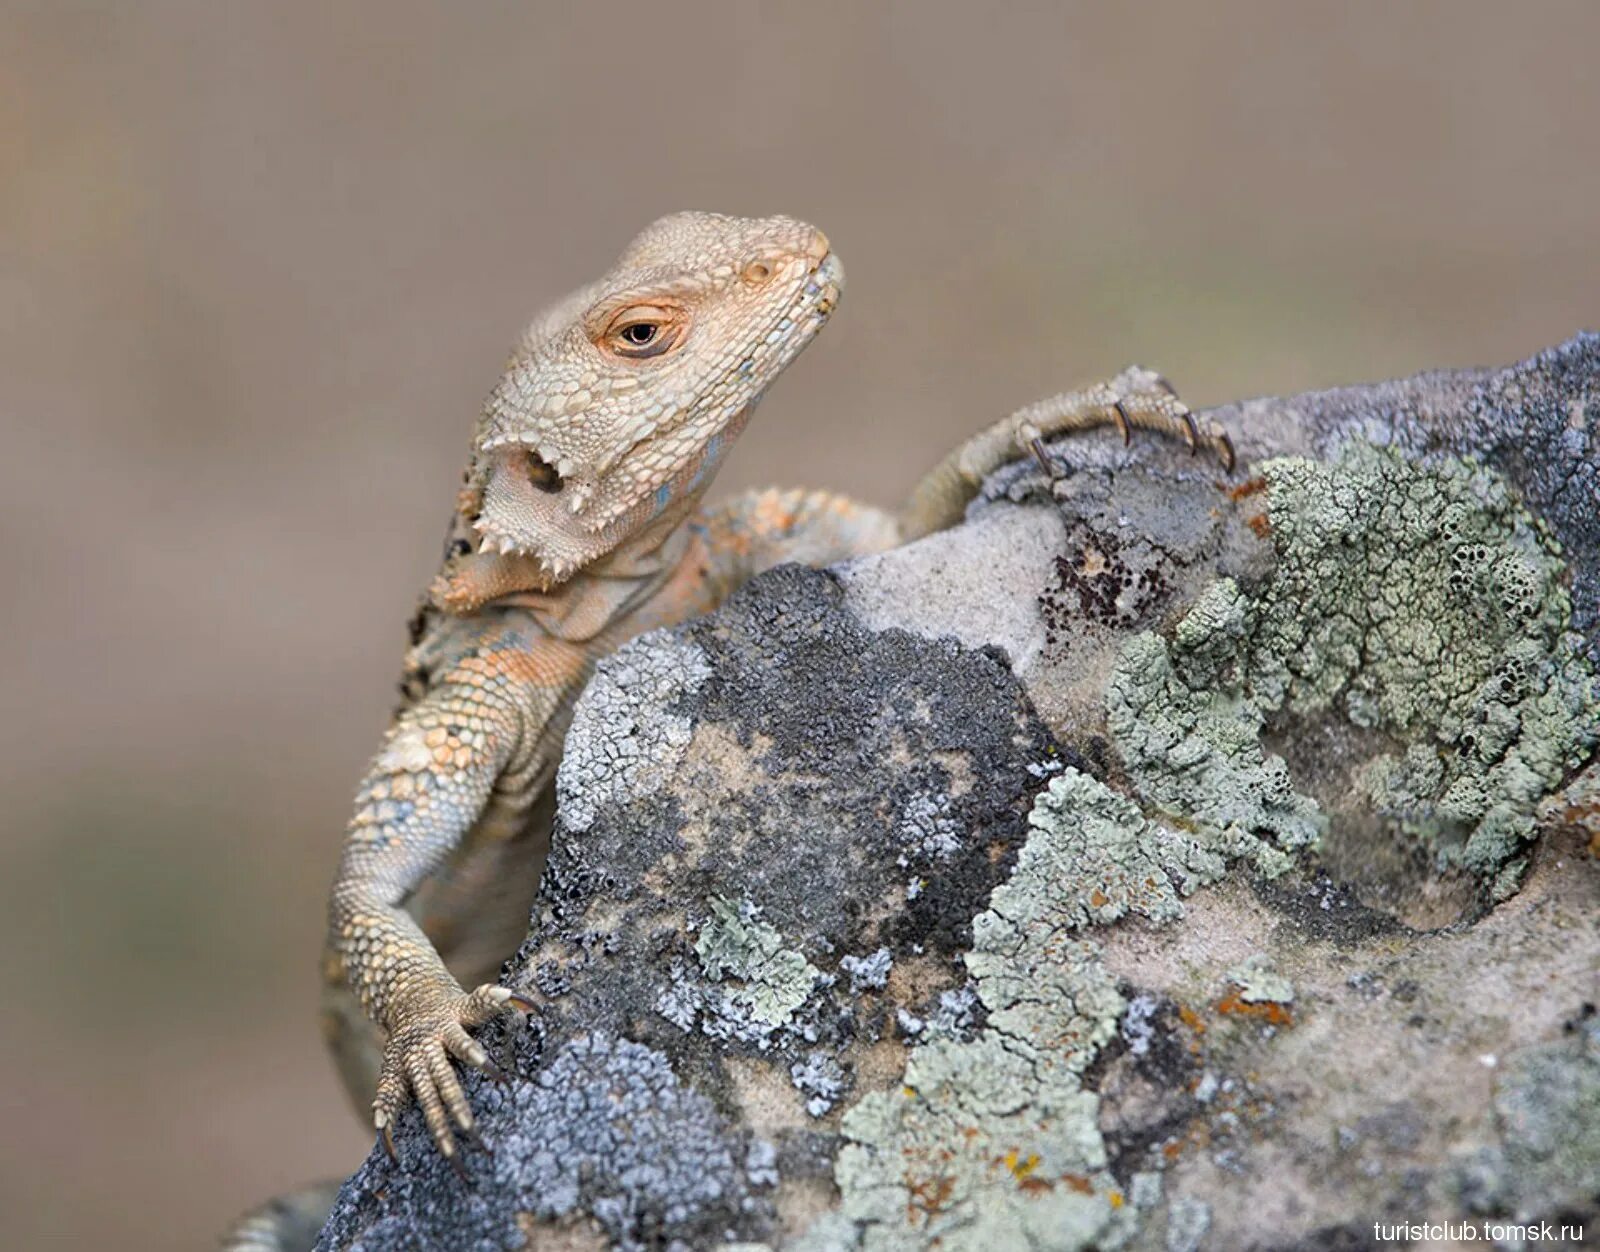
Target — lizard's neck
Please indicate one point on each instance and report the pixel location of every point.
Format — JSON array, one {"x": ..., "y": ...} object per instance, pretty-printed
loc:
[
  {"x": 601, "y": 594},
  {"x": 583, "y": 605}
]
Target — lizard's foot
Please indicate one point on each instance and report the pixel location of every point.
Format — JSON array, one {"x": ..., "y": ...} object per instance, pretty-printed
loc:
[
  {"x": 1137, "y": 398},
  {"x": 417, "y": 1061}
]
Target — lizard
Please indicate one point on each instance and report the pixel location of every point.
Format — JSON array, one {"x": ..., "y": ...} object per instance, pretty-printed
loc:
[{"x": 578, "y": 525}]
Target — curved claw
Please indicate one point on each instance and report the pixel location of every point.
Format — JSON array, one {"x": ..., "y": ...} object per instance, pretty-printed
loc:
[
  {"x": 1191, "y": 432},
  {"x": 1230, "y": 458},
  {"x": 495, "y": 998},
  {"x": 492, "y": 1070},
  {"x": 387, "y": 1136},
  {"x": 1124, "y": 427},
  {"x": 460, "y": 1170},
  {"x": 1041, "y": 454}
]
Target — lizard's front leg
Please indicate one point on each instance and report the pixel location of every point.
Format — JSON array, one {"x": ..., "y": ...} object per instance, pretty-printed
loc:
[
  {"x": 467, "y": 760},
  {"x": 1137, "y": 398}
]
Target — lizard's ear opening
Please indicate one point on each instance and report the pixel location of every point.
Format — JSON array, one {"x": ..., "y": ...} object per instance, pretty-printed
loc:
[
  {"x": 530, "y": 509},
  {"x": 542, "y": 474}
]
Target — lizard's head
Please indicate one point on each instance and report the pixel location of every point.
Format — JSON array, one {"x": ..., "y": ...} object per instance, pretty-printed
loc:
[{"x": 619, "y": 403}]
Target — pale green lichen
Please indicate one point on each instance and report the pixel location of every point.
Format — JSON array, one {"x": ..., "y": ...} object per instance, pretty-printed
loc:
[
  {"x": 775, "y": 980},
  {"x": 1420, "y": 602},
  {"x": 981, "y": 1149},
  {"x": 1099, "y": 840},
  {"x": 1195, "y": 749},
  {"x": 992, "y": 1141},
  {"x": 832, "y": 1232},
  {"x": 1259, "y": 983}
]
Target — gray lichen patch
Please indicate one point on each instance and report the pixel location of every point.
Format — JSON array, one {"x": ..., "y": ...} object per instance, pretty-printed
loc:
[
  {"x": 928, "y": 826},
  {"x": 950, "y": 1017},
  {"x": 821, "y": 1079},
  {"x": 1420, "y": 604},
  {"x": 627, "y": 732},
  {"x": 1547, "y": 1106},
  {"x": 605, "y": 1129},
  {"x": 868, "y": 973}
]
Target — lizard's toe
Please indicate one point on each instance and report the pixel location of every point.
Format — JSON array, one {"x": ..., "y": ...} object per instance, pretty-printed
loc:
[
  {"x": 422, "y": 1075},
  {"x": 387, "y": 1106},
  {"x": 469, "y": 1051},
  {"x": 448, "y": 1088}
]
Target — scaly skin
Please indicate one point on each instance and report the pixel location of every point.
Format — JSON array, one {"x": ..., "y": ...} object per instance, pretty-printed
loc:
[{"x": 578, "y": 527}]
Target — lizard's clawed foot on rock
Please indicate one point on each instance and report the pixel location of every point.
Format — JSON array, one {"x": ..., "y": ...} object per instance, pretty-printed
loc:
[
  {"x": 419, "y": 1062},
  {"x": 1137, "y": 398}
]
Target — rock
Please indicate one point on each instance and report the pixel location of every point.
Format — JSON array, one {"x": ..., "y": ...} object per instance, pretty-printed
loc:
[{"x": 1154, "y": 861}]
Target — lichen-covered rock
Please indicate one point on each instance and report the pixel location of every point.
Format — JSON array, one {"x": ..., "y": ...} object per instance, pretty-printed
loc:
[
  {"x": 1153, "y": 862},
  {"x": 1416, "y": 603},
  {"x": 993, "y": 1138}
]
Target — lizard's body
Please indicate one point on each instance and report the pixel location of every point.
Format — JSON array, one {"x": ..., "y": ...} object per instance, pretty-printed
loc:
[
  {"x": 579, "y": 527},
  {"x": 475, "y": 909}
]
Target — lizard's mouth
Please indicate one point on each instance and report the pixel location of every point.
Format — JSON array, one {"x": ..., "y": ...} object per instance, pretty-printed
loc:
[
  {"x": 829, "y": 280},
  {"x": 820, "y": 295}
]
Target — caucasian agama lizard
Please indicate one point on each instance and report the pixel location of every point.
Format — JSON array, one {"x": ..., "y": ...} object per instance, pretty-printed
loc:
[{"x": 579, "y": 526}]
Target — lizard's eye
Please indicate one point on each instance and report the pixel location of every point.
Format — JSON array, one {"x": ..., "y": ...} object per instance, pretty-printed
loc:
[{"x": 644, "y": 330}]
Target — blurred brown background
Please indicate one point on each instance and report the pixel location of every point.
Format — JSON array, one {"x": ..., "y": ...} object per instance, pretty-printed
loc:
[{"x": 258, "y": 264}]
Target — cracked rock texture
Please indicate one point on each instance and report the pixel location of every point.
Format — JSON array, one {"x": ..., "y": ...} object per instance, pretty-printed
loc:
[{"x": 1155, "y": 861}]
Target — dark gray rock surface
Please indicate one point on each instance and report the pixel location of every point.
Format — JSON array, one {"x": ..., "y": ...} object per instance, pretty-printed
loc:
[{"x": 1155, "y": 861}]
